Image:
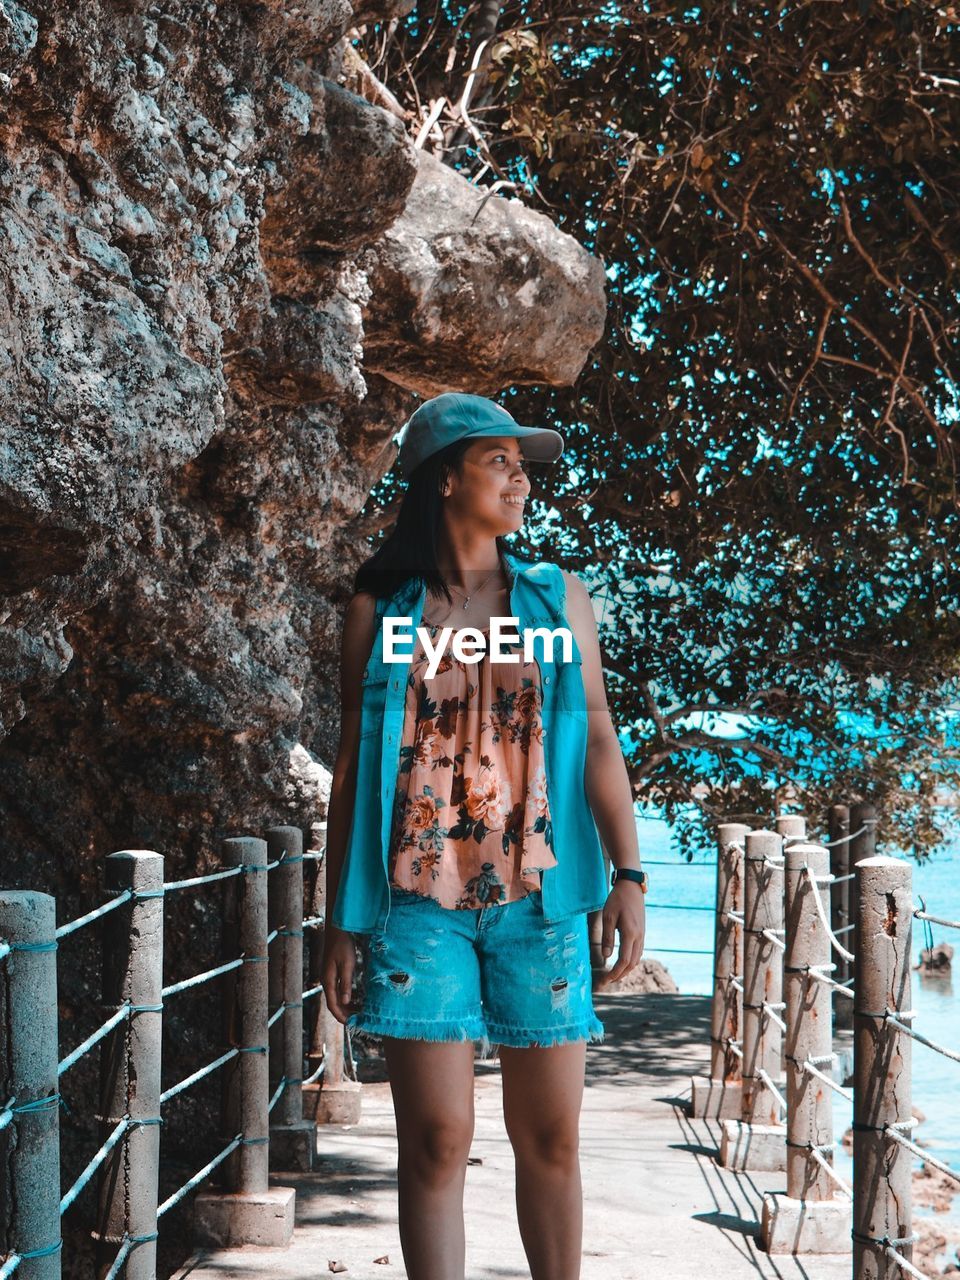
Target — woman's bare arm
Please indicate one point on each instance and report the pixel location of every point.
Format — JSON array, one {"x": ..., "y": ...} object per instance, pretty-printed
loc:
[
  {"x": 607, "y": 782},
  {"x": 608, "y": 791}
]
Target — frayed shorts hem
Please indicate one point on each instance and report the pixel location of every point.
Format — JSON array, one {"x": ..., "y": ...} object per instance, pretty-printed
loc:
[
  {"x": 545, "y": 1037},
  {"x": 372, "y": 1023},
  {"x": 425, "y": 1030},
  {"x": 474, "y": 1029}
]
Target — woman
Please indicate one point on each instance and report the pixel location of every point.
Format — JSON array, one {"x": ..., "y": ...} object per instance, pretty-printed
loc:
[{"x": 462, "y": 835}]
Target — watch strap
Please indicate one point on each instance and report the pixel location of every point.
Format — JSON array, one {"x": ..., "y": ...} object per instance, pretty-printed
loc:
[{"x": 628, "y": 873}]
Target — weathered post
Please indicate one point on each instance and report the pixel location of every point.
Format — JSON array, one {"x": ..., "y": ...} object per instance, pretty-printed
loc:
[
  {"x": 314, "y": 1008},
  {"x": 863, "y": 844},
  {"x": 840, "y": 899},
  {"x": 292, "y": 1139},
  {"x": 882, "y": 1190},
  {"x": 720, "y": 1094},
  {"x": 791, "y": 826},
  {"x": 808, "y": 1219},
  {"x": 333, "y": 1099},
  {"x": 29, "y": 1101},
  {"x": 250, "y": 1212},
  {"x": 132, "y": 971},
  {"x": 756, "y": 1141}
]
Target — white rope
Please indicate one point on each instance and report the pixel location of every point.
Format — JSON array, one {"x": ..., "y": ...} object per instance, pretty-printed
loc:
[
  {"x": 924, "y": 1155},
  {"x": 808, "y": 1066},
  {"x": 923, "y": 915},
  {"x": 915, "y": 1035},
  {"x": 772, "y": 937},
  {"x": 829, "y": 1169},
  {"x": 831, "y": 982},
  {"x": 762, "y": 1075},
  {"x": 903, "y": 1264},
  {"x": 867, "y": 826},
  {"x": 769, "y": 1010},
  {"x": 834, "y": 941}
]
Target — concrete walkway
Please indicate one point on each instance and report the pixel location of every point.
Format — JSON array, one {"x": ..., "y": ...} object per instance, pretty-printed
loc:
[{"x": 656, "y": 1204}]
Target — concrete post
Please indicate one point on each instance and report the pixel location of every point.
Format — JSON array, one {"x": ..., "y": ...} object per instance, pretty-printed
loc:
[
  {"x": 757, "y": 1140},
  {"x": 30, "y": 1143},
  {"x": 251, "y": 1212},
  {"x": 132, "y": 969},
  {"x": 333, "y": 1099},
  {"x": 720, "y": 1094},
  {"x": 882, "y": 1204},
  {"x": 809, "y": 1218},
  {"x": 791, "y": 826},
  {"x": 840, "y": 898},
  {"x": 862, "y": 845},
  {"x": 292, "y": 1139},
  {"x": 314, "y": 1009}
]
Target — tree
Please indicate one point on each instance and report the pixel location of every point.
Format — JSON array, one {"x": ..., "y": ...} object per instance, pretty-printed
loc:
[{"x": 764, "y": 445}]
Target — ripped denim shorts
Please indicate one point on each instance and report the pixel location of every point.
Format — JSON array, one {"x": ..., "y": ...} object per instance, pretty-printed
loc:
[{"x": 497, "y": 973}]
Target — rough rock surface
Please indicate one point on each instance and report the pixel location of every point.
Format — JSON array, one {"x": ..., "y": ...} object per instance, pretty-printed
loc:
[
  {"x": 649, "y": 975},
  {"x": 227, "y": 277}
]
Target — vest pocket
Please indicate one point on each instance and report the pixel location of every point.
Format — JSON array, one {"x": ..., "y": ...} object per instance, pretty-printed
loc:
[{"x": 571, "y": 697}]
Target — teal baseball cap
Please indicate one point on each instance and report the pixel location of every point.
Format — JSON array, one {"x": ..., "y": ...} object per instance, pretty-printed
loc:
[{"x": 455, "y": 414}]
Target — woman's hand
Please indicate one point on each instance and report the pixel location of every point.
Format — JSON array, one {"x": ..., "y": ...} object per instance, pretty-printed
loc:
[
  {"x": 623, "y": 912},
  {"x": 339, "y": 962}
]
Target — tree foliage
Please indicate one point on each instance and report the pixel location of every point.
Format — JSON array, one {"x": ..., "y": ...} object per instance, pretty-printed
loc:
[{"x": 763, "y": 447}]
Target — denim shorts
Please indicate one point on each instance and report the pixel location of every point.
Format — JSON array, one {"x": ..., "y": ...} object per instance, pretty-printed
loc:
[{"x": 497, "y": 973}]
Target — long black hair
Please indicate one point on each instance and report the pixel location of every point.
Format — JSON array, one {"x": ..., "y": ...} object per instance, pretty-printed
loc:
[{"x": 408, "y": 554}]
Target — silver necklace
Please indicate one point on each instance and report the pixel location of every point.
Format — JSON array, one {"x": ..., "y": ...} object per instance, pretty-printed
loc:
[{"x": 476, "y": 591}]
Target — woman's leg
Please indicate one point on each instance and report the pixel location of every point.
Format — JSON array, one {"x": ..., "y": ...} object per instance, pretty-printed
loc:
[
  {"x": 432, "y": 1087},
  {"x": 542, "y": 1093}
]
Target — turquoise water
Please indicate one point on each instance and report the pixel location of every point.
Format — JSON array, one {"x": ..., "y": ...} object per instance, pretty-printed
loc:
[{"x": 936, "y": 1079}]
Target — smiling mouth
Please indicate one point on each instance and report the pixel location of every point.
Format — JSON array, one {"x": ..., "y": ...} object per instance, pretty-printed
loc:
[{"x": 514, "y": 501}]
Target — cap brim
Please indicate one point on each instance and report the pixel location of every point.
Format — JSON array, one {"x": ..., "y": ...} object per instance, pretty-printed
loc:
[{"x": 540, "y": 444}]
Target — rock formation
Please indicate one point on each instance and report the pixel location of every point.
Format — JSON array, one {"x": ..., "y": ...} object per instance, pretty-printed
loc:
[{"x": 228, "y": 278}]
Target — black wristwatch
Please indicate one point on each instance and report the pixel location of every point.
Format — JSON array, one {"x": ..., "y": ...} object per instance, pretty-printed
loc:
[{"x": 628, "y": 873}]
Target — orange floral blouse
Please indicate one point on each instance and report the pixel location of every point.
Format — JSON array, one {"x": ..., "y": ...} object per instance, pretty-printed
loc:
[{"x": 471, "y": 822}]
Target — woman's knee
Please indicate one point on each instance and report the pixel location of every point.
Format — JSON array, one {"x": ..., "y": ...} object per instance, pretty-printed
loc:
[
  {"x": 553, "y": 1145},
  {"x": 437, "y": 1147}
]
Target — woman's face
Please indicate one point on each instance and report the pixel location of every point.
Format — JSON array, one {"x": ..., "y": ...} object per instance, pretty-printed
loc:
[{"x": 492, "y": 487}]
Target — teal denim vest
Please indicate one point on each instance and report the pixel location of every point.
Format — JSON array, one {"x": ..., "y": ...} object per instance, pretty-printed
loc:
[{"x": 579, "y": 882}]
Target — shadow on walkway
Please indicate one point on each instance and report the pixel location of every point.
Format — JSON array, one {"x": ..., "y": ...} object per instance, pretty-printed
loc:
[{"x": 656, "y": 1204}]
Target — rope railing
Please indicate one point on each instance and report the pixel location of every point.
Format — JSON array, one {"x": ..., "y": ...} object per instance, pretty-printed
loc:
[
  {"x": 200, "y": 1074},
  {"x": 895, "y": 1020},
  {"x": 924, "y": 915},
  {"x": 814, "y": 882},
  {"x": 97, "y": 914},
  {"x": 758, "y": 1109},
  {"x": 262, "y": 1081},
  {"x": 817, "y": 1155}
]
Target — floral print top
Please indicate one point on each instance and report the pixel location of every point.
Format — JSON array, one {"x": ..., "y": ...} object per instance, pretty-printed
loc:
[{"x": 471, "y": 823}]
